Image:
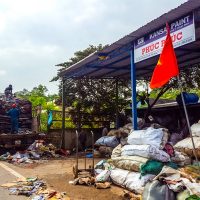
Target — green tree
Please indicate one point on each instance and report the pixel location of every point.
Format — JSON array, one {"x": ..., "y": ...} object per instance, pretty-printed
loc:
[
  {"x": 95, "y": 99},
  {"x": 38, "y": 96},
  {"x": 78, "y": 56}
]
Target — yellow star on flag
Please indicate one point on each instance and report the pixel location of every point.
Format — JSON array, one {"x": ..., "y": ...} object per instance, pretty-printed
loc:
[{"x": 159, "y": 62}]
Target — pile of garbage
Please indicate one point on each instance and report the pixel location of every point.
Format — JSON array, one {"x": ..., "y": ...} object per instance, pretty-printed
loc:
[
  {"x": 106, "y": 144},
  {"x": 33, "y": 188},
  {"x": 25, "y": 118},
  {"x": 36, "y": 151},
  {"x": 148, "y": 165},
  {"x": 186, "y": 146}
]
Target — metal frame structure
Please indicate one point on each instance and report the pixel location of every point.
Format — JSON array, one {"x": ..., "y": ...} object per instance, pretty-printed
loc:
[{"x": 119, "y": 56}]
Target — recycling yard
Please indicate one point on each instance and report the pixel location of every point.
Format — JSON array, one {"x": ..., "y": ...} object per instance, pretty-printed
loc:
[{"x": 124, "y": 120}]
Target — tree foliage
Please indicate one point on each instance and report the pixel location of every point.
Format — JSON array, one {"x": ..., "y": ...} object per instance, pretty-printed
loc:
[
  {"x": 95, "y": 99},
  {"x": 38, "y": 96},
  {"x": 189, "y": 82},
  {"x": 78, "y": 56}
]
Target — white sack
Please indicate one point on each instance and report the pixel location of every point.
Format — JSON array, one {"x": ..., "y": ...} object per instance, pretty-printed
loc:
[
  {"x": 118, "y": 176},
  {"x": 109, "y": 141},
  {"x": 187, "y": 143},
  {"x": 149, "y": 136},
  {"x": 146, "y": 151},
  {"x": 103, "y": 176},
  {"x": 195, "y": 128},
  {"x": 130, "y": 180}
]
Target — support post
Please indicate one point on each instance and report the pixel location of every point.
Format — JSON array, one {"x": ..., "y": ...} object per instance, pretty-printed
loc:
[
  {"x": 116, "y": 104},
  {"x": 79, "y": 107},
  {"x": 133, "y": 86},
  {"x": 63, "y": 113},
  {"x": 187, "y": 120}
]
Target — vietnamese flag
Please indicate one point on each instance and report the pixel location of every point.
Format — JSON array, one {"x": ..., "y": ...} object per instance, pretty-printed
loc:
[{"x": 167, "y": 66}]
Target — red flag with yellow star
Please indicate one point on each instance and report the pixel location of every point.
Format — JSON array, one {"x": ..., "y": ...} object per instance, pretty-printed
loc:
[{"x": 167, "y": 66}]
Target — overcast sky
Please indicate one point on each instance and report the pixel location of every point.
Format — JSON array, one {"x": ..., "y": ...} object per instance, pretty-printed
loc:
[{"x": 35, "y": 35}]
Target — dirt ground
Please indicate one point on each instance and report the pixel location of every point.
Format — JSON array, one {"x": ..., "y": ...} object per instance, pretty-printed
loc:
[{"x": 58, "y": 173}]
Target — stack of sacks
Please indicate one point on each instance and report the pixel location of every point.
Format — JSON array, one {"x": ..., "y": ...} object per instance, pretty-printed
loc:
[
  {"x": 140, "y": 159},
  {"x": 106, "y": 144},
  {"x": 25, "y": 118},
  {"x": 185, "y": 145},
  {"x": 130, "y": 180},
  {"x": 131, "y": 163},
  {"x": 142, "y": 146},
  {"x": 127, "y": 128},
  {"x": 148, "y": 144}
]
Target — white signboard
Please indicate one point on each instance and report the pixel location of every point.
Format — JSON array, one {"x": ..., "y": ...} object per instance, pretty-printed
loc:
[{"x": 182, "y": 32}]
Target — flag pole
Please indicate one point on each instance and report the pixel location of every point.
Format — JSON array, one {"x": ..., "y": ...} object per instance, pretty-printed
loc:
[{"x": 187, "y": 118}]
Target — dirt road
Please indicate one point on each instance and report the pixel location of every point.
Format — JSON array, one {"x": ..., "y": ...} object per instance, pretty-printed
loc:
[{"x": 58, "y": 173}]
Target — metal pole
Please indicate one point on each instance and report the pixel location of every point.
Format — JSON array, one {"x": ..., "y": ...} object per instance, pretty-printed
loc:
[
  {"x": 116, "y": 104},
  {"x": 77, "y": 152},
  {"x": 79, "y": 106},
  {"x": 133, "y": 86},
  {"x": 92, "y": 152},
  {"x": 63, "y": 113},
  {"x": 187, "y": 118}
]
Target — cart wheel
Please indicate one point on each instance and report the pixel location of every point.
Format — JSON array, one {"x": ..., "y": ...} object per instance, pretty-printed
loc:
[{"x": 75, "y": 171}]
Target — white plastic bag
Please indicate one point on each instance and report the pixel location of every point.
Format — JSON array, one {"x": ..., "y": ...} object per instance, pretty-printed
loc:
[
  {"x": 130, "y": 180},
  {"x": 195, "y": 128},
  {"x": 118, "y": 176},
  {"x": 149, "y": 136},
  {"x": 103, "y": 176},
  {"x": 109, "y": 141},
  {"x": 146, "y": 151}
]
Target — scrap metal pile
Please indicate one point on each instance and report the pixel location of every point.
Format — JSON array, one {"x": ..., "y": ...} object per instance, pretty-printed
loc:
[{"x": 25, "y": 118}]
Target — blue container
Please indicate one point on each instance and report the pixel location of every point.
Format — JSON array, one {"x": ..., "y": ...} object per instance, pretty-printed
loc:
[
  {"x": 188, "y": 97},
  {"x": 89, "y": 155}
]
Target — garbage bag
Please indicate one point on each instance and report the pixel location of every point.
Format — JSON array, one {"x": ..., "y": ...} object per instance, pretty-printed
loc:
[
  {"x": 195, "y": 128},
  {"x": 157, "y": 191},
  {"x": 130, "y": 163},
  {"x": 186, "y": 146},
  {"x": 109, "y": 141},
  {"x": 146, "y": 151},
  {"x": 149, "y": 136},
  {"x": 105, "y": 150},
  {"x": 116, "y": 151},
  {"x": 103, "y": 176},
  {"x": 130, "y": 180},
  {"x": 155, "y": 167}
]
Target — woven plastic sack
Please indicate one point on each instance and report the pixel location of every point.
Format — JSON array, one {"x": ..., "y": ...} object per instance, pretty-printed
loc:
[
  {"x": 195, "y": 128},
  {"x": 149, "y": 136},
  {"x": 109, "y": 141},
  {"x": 130, "y": 163},
  {"x": 186, "y": 146},
  {"x": 103, "y": 176},
  {"x": 146, "y": 151},
  {"x": 157, "y": 191},
  {"x": 116, "y": 151},
  {"x": 130, "y": 180}
]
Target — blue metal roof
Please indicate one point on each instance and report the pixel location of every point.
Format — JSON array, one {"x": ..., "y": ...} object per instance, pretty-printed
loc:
[{"x": 116, "y": 62}]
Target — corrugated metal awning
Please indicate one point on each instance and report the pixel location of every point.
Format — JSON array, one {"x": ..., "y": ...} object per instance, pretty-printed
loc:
[{"x": 117, "y": 63}]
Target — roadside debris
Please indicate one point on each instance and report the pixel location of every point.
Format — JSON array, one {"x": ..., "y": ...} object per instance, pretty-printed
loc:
[
  {"x": 34, "y": 188},
  {"x": 36, "y": 151},
  {"x": 147, "y": 164}
]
